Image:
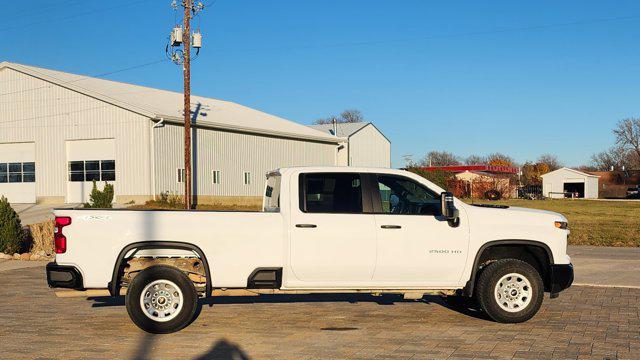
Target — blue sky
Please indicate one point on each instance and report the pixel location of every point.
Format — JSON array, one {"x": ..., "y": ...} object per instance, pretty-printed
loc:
[{"x": 468, "y": 77}]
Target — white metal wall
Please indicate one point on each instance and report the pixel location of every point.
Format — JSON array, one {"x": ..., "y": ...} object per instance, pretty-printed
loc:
[
  {"x": 232, "y": 154},
  {"x": 368, "y": 147},
  {"x": 553, "y": 183},
  {"x": 33, "y": 110}
]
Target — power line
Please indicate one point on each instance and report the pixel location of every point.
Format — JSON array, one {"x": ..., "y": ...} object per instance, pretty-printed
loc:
[
  {"x": 43, "y": 9},
  {"x": 91, "y": 12},
  {"x": 456, "y": 35},
  {"x": 87, "y": 77}
]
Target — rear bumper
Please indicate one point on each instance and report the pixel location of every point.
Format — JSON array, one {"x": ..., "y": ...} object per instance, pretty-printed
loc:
[
  {"x": 561, "y": 277},
  {"x": 61, "y": 276}
]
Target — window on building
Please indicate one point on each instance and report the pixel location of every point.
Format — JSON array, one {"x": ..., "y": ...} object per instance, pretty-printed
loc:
[
  {"x": 332, "y": 193},
  {"x": 180, "y": 176},
  {"x": 108, "y": 170},
  {"x": 17, "y": 172},
  {"x": 4, "y": 176},
  {"x": 247, "y": 178},
  {"x": 215, "y": 175},
  {"x": 90, "y": 170}
]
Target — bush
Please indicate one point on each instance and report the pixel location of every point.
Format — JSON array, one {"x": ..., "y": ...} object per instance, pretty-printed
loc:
[
  {"x": 170, "y": 200},
  {"x": 100, "y": 199},
  {"x": 12, "y": 237},
  {"x": 437, "y": 177}
]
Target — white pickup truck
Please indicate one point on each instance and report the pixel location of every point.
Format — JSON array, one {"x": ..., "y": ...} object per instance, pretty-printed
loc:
[{"x": 325, "y": 229}]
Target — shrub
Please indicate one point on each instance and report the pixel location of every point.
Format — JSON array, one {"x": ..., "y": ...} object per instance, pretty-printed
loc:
[
  {"x": 12, "y": 237},
  {"x": 170, "y": 200},
  {"x": 437, "y": 177},
  {"x": 100, "y": 199}
]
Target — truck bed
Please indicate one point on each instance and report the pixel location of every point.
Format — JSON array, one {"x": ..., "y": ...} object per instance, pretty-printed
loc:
[{"x": 236, "y": 243}]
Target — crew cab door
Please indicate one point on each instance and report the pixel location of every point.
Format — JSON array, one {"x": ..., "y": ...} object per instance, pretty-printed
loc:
[
  {"x": 416, "y": 246},
  {"x": 332, "y": 235}
]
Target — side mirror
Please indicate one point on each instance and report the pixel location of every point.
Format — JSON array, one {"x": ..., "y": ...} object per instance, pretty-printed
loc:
[{"x": 448, "y": 210}]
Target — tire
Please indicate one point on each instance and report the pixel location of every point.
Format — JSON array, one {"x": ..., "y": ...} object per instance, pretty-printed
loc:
[
  {"x": 168, "y": 294},
  {"x": 493, "y": 195},
  {"x": 521, "y": 291}
]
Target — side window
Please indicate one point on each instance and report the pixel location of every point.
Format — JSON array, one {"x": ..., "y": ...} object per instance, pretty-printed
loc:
[
  {"x": 332, "y": 193},
  {"x": 403, "y": 196}
]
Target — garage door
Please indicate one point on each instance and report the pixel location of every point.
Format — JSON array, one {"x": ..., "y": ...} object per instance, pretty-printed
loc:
[
  {"x": 18, "y": 172},
  {"x": 89, "y": 160}
]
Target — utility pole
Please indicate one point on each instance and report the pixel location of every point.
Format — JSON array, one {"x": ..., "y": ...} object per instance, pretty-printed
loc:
[
  {"x": 179, "y": 51},
  {"x": 186, "y": 39}
]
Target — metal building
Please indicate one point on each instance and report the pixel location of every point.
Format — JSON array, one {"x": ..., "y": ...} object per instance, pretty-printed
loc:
[
  {"x": 571, "y": 183},
  {"x": 366, "y": 145},
  {"x": 60, "y": 131}
]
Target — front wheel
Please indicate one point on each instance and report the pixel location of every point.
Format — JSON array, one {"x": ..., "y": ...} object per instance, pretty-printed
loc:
[
  {"x": 510, "y": 291},
  {"x": 161, "y": 299}
]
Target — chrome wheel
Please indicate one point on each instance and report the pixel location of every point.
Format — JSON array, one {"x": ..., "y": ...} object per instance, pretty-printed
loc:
[
  {"x": 161, "y": 300},
  {"x": 513, "y": 292}
]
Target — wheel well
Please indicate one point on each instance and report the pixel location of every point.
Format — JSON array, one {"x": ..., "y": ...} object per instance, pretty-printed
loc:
[
  {"x": 535, "y": 254},
  {"x": 194, "y": 267}
]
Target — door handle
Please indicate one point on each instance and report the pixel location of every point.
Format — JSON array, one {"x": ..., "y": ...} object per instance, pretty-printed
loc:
[
  {"x": 306, "y": 226},
  {"x": 391, "y": 227}
]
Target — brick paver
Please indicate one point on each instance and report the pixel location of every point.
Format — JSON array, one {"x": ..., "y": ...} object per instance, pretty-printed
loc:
[{"x": 584, "y": 322}]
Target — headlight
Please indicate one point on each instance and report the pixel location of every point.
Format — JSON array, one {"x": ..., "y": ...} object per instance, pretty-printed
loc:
[{"x": 561, "y": 224}]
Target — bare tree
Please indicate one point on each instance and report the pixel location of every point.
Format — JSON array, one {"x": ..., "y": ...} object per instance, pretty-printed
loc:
[
  {"x": 615, "y": 158},
  {"x": 475, "y": 160},
  {"x": 439, "y": 158},
  {"x": 351, "y": 116},
  {"x": 323, "y": 121},
  {"x": 627, "y": 134},
  {"x": 347, "y": 116},
  {"x": 551, "y": 161},
  {"x": 408, "y": 160},
  {"x": 498, "y": 159}
]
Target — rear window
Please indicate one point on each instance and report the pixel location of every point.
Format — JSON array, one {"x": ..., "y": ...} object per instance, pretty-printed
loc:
[
  {"x": 337, "y": 193},
  {"x": 272, "y": 194}
]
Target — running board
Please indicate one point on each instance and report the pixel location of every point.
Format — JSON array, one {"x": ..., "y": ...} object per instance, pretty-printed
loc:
[{"x": 407, "y": 294}]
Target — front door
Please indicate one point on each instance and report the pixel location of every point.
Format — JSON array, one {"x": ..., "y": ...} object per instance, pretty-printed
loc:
[
  {"x": 416, "y": 246},
  {"x": 333, "y": 239}
]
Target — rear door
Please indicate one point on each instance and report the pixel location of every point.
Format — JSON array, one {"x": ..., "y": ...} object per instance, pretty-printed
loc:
[
  {"x": 333, "y": 236},
  {"x": 416, "y": 246}
]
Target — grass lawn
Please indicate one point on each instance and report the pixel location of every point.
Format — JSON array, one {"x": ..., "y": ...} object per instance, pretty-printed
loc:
[{"x": 603, "y": 223}]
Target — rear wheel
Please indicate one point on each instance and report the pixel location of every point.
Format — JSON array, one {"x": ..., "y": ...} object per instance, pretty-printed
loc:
[
  {"x": 510, "y": 291},
  {"x": 161, "y": 299}
]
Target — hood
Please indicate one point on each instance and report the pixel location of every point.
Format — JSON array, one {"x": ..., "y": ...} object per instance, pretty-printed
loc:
[{"x": 517, "y": 214}]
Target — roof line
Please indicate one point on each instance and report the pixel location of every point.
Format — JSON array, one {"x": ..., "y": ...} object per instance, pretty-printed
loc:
[
  {"x": 572, "y": 170},
  {"x": 226, "y": 127},
  {"x": 78, "y": 89},
  {"x": 154, "y": 114},
  {"x": 378, "y": 130}
]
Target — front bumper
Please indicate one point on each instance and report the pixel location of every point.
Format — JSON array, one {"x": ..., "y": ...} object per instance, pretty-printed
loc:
[
  {"x": 560, "y": 278},
  {"x": 61, "y": 276}
]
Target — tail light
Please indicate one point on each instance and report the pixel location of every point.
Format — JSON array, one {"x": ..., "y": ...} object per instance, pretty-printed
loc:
[{"x": 60, "y": 241}]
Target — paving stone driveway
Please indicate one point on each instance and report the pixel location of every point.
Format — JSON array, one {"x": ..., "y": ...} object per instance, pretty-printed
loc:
[{"x": 585, "y": 322}]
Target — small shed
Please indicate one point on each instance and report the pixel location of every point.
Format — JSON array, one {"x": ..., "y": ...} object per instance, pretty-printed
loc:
[
  {"x": 566, "y": 182},
  {"x": 365, "y": 146}
]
